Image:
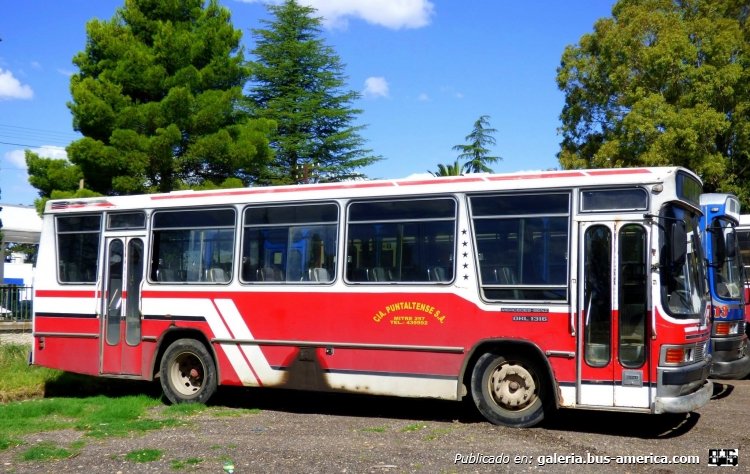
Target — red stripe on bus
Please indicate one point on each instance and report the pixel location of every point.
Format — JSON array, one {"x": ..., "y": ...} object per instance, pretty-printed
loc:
[
  {"x": 421, "y": 182},
  {"x": 272, "y": 189},
  {"x": 607, "y": 172},
  {"x": 510, "y": 177},
  {"x": 65, "y": 293}
]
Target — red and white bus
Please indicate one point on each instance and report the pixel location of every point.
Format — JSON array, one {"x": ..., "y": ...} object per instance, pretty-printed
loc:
[
  {"x": 526, "y": 292},
  {"x": 743, "y": 240}
]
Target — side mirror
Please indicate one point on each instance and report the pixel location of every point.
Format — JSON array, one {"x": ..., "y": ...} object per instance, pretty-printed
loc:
[
  {"x": 731, "y": 242},
  {"x": 679, "y": 243}
]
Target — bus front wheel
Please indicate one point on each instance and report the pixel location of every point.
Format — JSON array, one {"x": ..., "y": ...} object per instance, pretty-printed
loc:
[
  {"x": 508, "y": 391},
  {"x": 187, "y": 372}
]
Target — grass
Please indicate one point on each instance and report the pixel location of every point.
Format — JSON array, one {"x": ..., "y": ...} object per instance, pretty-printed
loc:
[
  {"x": 375, "y": 429},
  {"x": 180, "y": 464},
  {"x": 144, "y": 455},
  {"x": 19, "y": 381},
  {"x": 47, "y": 451},
  {"x": 414, "y": 427},
  {"x": 37, "y": 400},
  {"x": 81, "y": 404}
]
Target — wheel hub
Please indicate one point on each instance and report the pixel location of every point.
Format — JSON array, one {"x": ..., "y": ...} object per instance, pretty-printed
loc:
[{"x": 512, "y": 386}]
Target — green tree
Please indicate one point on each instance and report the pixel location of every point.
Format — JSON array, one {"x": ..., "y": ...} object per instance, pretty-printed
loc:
[
  {"x": 298, "y": 82},
  {"x": 662, "y": 82},
  {"x": 157, "y": 98},
  {"x": 55, "y": 178},
  {"x": 447, "y": 170},
  {"x": 50, "y": 174},
  {"x": 476, "y": 151}
]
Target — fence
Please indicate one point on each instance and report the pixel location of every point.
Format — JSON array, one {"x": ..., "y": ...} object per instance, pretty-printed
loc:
[{"x": 15, "y": 303}]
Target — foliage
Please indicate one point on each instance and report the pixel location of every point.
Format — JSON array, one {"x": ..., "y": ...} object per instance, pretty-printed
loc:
[
  {"x": 157, "y": 98},
  {"x": 476, "y": 151},
  {"x": 662, "y": 83},
  {"x": 448, "y": 170},
  {"x": 50, "y": 174},
  {"x": 28, "y": 250},
  {"x": 297, "y": 81}
]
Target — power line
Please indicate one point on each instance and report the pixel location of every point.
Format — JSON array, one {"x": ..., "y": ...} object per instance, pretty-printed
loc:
[
  {"x": 27, "y": 136},
  {"x": 22, "y": 144}
]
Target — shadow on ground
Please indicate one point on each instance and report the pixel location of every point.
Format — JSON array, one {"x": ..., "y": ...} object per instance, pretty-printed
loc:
[{"x": 638, "y": 425}]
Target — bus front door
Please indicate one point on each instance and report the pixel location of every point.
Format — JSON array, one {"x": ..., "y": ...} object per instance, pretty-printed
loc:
[
  {"x": 613, "y": 315},
  {"x": 120, "y": 309}
]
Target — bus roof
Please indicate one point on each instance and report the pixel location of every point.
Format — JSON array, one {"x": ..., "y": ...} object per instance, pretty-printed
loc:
[
  {"x": 729, "y": 202},
  {"x": 535, "y": 180}
]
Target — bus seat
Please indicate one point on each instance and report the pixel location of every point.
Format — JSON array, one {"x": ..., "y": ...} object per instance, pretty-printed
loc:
[
  {"x": 216, "y": 274},
  {"x": 436, "y": 274},
  {"x": 377, "y": 274},
  {"x": 319, "y": 274},
  {"x": 505, "y": 276},
  {"x": 165, "y": 274},
  {"x": 270, "y": 274}
]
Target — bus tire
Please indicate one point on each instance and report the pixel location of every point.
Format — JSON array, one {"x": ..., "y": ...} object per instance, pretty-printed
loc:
[
  {"x": 187, "y": 372},
  {"x": 509, "y": 391}
]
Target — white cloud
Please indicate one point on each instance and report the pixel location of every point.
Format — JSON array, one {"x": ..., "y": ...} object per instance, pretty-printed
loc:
[
  {"x": 11, "y": 88},
  {"x": 423, "y": 97},
  {"x": 418, "y": 176},
  {"x": 17, "y": 158},
  {"x": 375, "y": 87},
  {"x": 394, "y": 14},
  {"x": 50, "y": 151}
]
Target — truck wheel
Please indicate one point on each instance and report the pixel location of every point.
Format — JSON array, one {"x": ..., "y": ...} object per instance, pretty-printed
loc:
[
  {"x": 509, "y": 391},
  {"x": 187, "y": 372}
]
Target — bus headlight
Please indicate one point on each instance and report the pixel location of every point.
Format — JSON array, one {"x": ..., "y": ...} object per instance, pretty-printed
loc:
[
  {"x": 726, "y": 328},
  {"x": 676, "y": 356}
]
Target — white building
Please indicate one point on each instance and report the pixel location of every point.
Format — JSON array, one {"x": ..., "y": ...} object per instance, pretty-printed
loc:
[{"x": 20, "y": 224}]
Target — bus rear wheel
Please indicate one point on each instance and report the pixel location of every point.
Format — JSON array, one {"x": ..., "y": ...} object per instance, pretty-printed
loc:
[
  {"x": 187, "y": 372},
  {"x": 508, "y": 391}
]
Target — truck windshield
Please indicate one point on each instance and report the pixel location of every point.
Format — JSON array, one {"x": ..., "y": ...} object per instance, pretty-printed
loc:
[
  {"x": 727, "y": 282},
  {"x": 683, "y": 287}
]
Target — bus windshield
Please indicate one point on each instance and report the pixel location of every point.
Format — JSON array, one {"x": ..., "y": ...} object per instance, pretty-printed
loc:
[
  {"x": 683, "y": 286},
  {"x": 727, "y": 282}
]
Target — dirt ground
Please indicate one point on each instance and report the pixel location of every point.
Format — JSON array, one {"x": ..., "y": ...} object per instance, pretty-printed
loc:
[{"x": 306, "y": 432}]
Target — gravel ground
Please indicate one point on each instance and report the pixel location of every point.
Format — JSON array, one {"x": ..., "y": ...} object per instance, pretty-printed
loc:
[
  {"x": 289, "y": 431},
  {"x": 16, "y": 338}
]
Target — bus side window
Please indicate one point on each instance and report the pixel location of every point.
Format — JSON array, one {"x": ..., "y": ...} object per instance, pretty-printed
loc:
[{"x": 293, "y": 243}]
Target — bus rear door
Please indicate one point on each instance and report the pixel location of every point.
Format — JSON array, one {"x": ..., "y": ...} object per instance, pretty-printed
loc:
[{"x": 120, "y": 306}]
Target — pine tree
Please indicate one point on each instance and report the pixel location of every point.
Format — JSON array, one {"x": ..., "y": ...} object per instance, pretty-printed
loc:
[
  {"x": 475, "y": 152},
  {"x": 157, "y": 99},
  {"x": 298, "y": 82}
]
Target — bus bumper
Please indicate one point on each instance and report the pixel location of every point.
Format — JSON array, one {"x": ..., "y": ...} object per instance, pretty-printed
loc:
[
  {"x": 685, "y": 403},
  {"x": 683, "y": 389},
  {"x": 730, "y": 358}
]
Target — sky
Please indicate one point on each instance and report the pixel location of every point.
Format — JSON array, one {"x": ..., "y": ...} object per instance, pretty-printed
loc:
[{"x": 426, "y": 71}]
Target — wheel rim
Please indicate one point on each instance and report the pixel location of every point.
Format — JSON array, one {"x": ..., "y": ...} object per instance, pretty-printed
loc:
[
  {"x": 186, "y": 374},
  {"x": 512, "y": 387}
]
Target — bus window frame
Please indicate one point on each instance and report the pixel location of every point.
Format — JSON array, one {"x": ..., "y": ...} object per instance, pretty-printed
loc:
[{"x": 348, "y": 222}]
